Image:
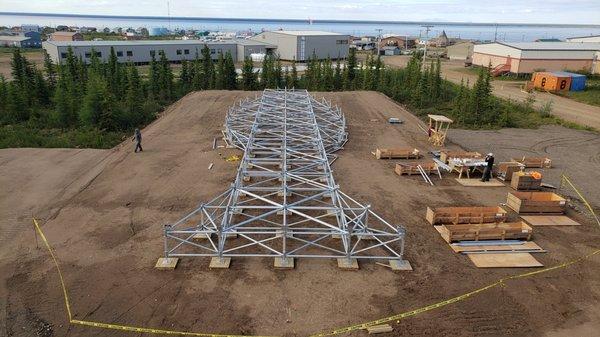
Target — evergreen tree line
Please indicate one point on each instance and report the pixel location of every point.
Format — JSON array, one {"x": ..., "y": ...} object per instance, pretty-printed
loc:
[{"x": 112, "y": 96}]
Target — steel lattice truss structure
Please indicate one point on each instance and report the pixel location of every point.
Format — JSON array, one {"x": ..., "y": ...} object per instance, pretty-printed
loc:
[{"x": 284, "y": 202}]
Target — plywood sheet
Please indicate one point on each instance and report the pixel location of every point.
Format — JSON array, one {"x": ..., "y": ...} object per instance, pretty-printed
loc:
[
  {"x": 504, "y": 260},
  {"x": 550, "y": 220},
  {"x": 479, "y": 183},
  {"x": 529, "y": 245}
]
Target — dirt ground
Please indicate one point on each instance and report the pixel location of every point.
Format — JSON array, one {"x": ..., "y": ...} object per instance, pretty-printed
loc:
[
  {"x": 565, "y": 108},
  {"x": 103, "y": 211}
]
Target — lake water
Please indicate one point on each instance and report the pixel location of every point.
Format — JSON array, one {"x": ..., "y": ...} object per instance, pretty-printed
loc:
[{"x": 504, "y": 32}]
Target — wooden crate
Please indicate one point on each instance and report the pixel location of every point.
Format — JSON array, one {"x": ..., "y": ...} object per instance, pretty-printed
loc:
[
  {"x": 461, "y": 215},
  {"x": 536, "y": 202},
  {"x": 397, "y": 153},
  {"x": 523, "y": 181},
  {"x": 411, "y": 168},
  {"x": 534, "y": 162},
  {"x": 446, "y": 155},
  {"x": 487, "y": 231},
  {"x": 505, "y": 170}
]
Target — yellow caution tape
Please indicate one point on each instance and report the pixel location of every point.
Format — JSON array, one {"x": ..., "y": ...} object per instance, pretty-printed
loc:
[
  {"x": 233, "y": 158},
  {"x": 337, "y": 331},
  {"x": 109, "y": 325}
]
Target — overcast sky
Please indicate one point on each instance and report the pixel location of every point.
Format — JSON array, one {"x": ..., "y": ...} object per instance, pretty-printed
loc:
[{"x": 503, "y": 11}]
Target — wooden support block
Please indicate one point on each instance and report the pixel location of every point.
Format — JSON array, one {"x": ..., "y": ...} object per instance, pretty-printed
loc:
[
  {"x": 166, "y": 263},
  {"x": 379, "y": 329},
  {"x": 246, "y": 178},
  {"x": 331, "y": 213},
  {"x": 287, "y": 212},
  {"x": 347, "y": 264},
  {"x": 280, "y": 194},
  {"x": 284, "y": 263},
  {"x": 400, "y": 265},
  {"x": 326, "y": 196},
  {"x": 336, "y": 236},
  {"x": 219, "y": 263}
]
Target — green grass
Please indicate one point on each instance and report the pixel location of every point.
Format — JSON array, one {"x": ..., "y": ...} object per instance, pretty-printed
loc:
[
  {"x": 591, "y": 94},
  {"x": 23, "y": 135}
]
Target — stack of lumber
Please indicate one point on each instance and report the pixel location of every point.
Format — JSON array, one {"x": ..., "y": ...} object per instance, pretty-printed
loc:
[
  {"x": 411, "y": 168},
  {"x": 505, "y": 170},
  {"x": 524, "y": 181},
  {"x": 446, "y": 155},
  {"x": 531, "y": 162},
  {"x": 486, "y": 231},
  {"x": 536, "y": 202},
  {"x": 397, "y": 153},
  {"x": 461, "y": 215}
]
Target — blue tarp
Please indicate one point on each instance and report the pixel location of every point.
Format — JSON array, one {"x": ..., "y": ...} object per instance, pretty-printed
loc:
[{"x": 577, "y": 80}]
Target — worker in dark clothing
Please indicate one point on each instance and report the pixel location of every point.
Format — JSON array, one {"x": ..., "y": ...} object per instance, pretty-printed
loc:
[
  {"x": 487, "y": 172},
  {"x": 138, "y": 140}
]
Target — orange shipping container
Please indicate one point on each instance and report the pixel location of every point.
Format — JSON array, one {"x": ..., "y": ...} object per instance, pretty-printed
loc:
[{"x": 550, "y": 82}]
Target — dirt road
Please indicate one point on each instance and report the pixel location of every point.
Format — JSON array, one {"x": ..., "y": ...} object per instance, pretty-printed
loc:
[
  {"x": 567, "y": 109},
  {"x": 107, "y": 232}
]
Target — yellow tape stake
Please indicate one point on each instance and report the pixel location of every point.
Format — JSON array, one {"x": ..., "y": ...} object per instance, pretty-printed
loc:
[{"x": 110, "y": 325}]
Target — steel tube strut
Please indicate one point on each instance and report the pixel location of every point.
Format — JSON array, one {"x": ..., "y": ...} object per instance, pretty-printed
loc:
[{"x": 284, "y": 201}]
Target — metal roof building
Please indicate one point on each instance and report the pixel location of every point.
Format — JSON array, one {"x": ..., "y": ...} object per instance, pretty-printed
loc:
[
  {"x": 302, "y": 44},
  {"x": 141, "y": 51},
  {"x": 527, "y": 57}
]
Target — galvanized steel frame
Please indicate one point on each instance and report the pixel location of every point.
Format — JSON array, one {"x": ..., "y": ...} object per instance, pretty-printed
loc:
[{"x": 284, "y": 201}]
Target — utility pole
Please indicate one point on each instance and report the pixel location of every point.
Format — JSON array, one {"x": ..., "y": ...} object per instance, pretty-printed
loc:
[
  {"x": 427, "y": 29},
  {"x": 169, "y": 16},
  {"x": 378, "y": 39},
  {"x": 496, "y": 33}
]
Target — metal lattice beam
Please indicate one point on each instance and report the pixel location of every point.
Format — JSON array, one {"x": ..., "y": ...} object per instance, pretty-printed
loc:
[{"x": 284, "y": 201}]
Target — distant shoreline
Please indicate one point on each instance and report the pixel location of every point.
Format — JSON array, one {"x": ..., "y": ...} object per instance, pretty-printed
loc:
[{"x": 366, "y": 22}]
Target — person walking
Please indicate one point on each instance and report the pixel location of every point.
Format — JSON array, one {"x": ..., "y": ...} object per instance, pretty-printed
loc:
[
  {"x": 138, "y": 140},
  {"x": 487, "y": 172}
]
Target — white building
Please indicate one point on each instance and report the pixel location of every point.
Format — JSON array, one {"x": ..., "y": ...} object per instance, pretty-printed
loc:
[
  {"x": 301, "y": 45},
  {"x": 528, "y": 57}
]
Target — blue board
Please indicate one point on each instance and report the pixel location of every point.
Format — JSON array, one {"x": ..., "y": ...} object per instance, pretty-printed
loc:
[{"x": 577, "y": 80}]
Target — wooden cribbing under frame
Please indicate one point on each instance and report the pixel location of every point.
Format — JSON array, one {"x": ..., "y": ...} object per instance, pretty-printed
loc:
[{"x": 411, "y": 168}]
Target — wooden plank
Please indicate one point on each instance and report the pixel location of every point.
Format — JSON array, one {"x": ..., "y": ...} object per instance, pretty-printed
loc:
[
  {"x": 528, "y": 245},
  {"x": 504, "y": 260},
  {"x": 456, "y": 215},
  {"x": 486, "y": 231},
  {"x": 550, "y": 220},
  {"x": 479, "y": 183},
  {"x": 379, "y": 329}
]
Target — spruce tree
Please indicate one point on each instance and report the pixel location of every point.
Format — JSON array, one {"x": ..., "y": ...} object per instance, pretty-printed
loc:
[
  {"x": 293, "y": 82},
  {"x": 208, "y": 71},
  {"x": 248, "y": 75},
  {"x": 184, "y": 78},
  {"x": 165, "y": 78},
  {"x": 134, "y": 98},
  {"x": 328, "y": 76},
  {"x": 230, "y": 74},
  {"x": 351, "y": 66},
  {"x": 337, "y": 76},
  {"x": 220, "y": 82},
  {"x": 154, "y": 77}
]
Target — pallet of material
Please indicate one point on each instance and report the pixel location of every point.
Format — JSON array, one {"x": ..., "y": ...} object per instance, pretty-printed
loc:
[
  {"x": 505, "y": 170},
  {"x": 397, "y": 153},
  {"x": 486, "y": 231},
  {"x": 411, "y": 168},
  {"x": 534, "y": 162},
  {"x": 445, "y": 155},
  {"x": 524, "y": 181},
  {"x": 461, "y": 215},
  {"x": 536, "y": 202}
]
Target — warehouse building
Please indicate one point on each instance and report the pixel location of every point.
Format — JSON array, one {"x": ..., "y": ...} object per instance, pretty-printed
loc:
[
  {"x": 141, "y": 51},
  {"x": 29, "y": 39},
  {"x": 301, "y": 45},
  {"x": 527, "y": 57}
]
